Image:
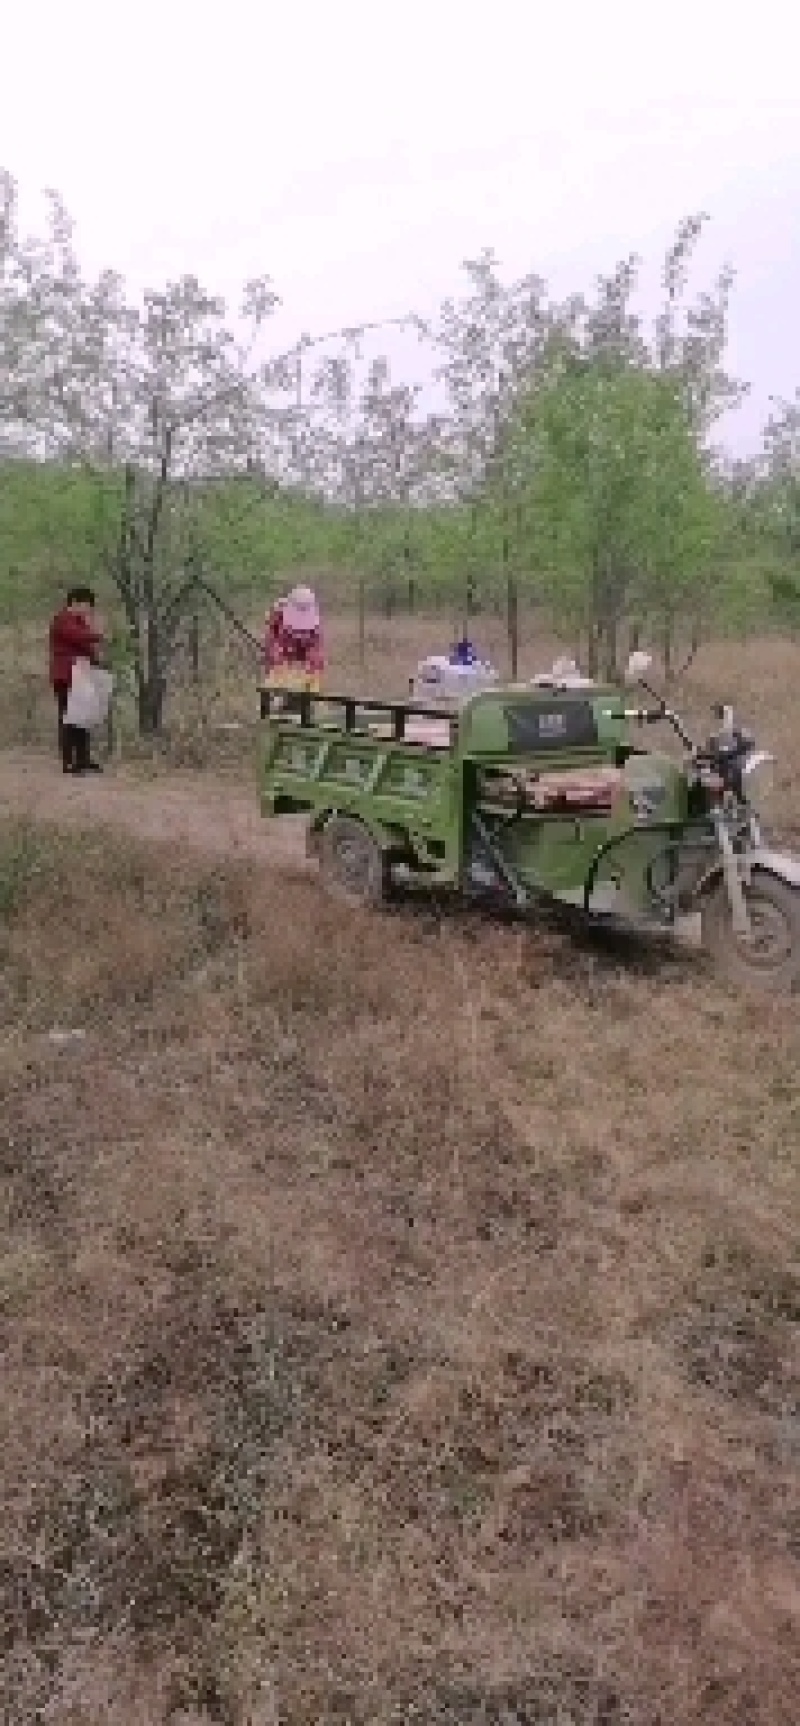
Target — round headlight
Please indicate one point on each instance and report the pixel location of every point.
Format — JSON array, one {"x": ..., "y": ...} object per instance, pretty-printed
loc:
[{"x": 758, "y": 778}]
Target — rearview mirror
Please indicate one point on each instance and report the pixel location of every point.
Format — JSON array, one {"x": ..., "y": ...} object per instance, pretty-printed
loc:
[{"x": 637, "y": 665}]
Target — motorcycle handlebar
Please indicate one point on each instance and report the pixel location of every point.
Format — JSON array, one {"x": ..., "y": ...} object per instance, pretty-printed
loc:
[
  {"x": 672, "y": 718},
  {"x": 655, "y": 715}
]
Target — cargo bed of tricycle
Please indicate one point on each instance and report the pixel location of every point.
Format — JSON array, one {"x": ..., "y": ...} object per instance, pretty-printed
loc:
[{"x": 375, "y": 778}]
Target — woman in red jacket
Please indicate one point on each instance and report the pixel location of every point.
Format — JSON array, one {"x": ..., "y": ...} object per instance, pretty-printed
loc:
[
  {"x": 293, "y": 649},
  {"x": 75, "y": 633}
]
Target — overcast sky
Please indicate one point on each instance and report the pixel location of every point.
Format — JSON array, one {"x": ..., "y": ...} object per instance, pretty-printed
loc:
[{"x": 358, "y": 151}]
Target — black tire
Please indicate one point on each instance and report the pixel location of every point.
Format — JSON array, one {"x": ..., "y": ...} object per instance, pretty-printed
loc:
[
  {"x": 771, "y": 960},
  {"x": 353, "y": 866}
]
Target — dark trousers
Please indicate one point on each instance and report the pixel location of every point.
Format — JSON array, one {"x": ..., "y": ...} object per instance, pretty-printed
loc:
[{"x": 73, "y": 741}]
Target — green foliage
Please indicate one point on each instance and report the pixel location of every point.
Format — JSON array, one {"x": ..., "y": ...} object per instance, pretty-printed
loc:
[
  {"x": 778, "y": 502},
  {"x": 56, "y": 524},
  {"x": 250, "y": 535},
  {"x": 51, "y": 525},
  {"x": 603, "y": 465},
  {"x": 569, "y": 467},
  {"x": 255, "y": 540}
]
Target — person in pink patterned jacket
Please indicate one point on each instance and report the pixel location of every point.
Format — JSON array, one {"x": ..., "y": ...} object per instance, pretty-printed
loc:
[{"x": 293, "y": 645}]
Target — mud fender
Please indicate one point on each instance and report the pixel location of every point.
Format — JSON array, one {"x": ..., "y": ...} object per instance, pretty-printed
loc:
[
  {"x": 321, "y": 817},
  {"x": 783, "y": 865}
]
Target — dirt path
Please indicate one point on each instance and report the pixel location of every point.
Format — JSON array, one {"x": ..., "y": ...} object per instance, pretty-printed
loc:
[{"x": 186, "y": 808}]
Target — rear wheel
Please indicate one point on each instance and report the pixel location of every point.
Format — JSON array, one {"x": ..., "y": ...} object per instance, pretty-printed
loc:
[
  {"x": 770, "y": 955},
  {"x": 354, "y": 868}
]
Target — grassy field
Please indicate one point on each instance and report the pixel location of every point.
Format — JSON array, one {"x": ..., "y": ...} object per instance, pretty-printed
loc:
[{"x": 400, "y": 1314}]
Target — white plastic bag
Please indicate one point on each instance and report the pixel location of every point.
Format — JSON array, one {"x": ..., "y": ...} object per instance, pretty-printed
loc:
[
  {"x": 89, "y": 696},
  {"x": 565, "y": 674},
  {"x": 438, "y": 682}
]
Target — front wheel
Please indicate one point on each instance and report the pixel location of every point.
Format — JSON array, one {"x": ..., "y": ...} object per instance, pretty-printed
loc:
[{"x": 770, "y": 955}]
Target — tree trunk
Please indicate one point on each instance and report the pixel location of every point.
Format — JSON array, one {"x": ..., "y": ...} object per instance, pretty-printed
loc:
[
  {"x": 151, "y": 705},
  {"x": 610, "y": 632},
  {"x": 362, "y": 623},
  {"x": 612, "y": 594},
  {"x": 194, "y": 645},
  {"x": 512, "y": 607},
  {"x": 666, "y": 646},
  {"x": 469, "y": 586},
  {"x": 407, "y": 567},
  {"x": 608, "y": 592},
  {"x": 469, "y": 600},
  {"x": 151, "y": 684},
  {"x": 593, "y": 652},
  {"x": 512, "y": 622},
  {"x": 595, "y": 626}
]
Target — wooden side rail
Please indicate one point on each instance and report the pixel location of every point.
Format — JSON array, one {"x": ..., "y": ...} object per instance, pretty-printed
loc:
[{"x": 303, "y": 705}]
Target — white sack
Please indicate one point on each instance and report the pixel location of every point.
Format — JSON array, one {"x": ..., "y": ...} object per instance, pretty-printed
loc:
[{"x": 89, "y": 696}]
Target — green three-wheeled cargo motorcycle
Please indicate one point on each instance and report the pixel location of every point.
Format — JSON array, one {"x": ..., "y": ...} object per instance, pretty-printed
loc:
[{"x": 539, "y": 793}]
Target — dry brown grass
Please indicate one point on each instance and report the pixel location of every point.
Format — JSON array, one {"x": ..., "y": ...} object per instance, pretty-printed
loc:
[{"x": 400, "y": 1322}]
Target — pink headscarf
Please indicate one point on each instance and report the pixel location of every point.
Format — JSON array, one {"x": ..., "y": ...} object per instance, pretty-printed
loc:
[{"x": 300, "y": 612}]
